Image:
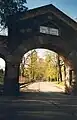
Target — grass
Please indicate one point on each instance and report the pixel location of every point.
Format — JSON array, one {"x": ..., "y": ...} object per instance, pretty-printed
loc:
[{"x": 59, "y": 84}]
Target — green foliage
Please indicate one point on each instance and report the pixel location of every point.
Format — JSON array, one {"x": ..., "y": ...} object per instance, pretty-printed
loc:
[
  {"x": 30, "y": 71},
  {"x": 38, "y": 68},
  {"x": 51, "y": 71},
  {"x": 10, "y": 7}
]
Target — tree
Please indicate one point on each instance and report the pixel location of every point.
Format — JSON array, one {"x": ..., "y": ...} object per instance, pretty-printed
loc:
[
  {"x": 29, "y": 65},
  {"x": 22, "y": 67},
  {"x": 51, "y": 71},
  {"x": 59, "y": 67},
  {"x": 33, "y": 64},
  {"x": 40, "y": 69},
  {"x": 10, "y": 8},
  {"x": 35, "y": 68}
]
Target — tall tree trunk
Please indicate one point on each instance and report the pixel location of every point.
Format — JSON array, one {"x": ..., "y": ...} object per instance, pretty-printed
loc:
[
  {"x": 65, "y": 77},
  {"x": 70, "y": 76},
  {"x": 64, "y": 73},
  {"x": 60, "y": 73}
]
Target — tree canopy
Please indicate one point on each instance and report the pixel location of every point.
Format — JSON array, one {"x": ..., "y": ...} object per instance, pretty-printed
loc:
[
  {"x": 36, "y": 68},
  {"x": 10, "y": 7}
]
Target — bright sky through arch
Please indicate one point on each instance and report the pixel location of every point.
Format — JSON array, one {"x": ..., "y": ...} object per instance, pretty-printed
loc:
[{"x": 2, "y": 64}]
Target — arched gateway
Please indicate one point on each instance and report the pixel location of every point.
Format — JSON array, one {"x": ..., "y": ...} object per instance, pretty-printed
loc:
[{"x": 43, "y": 27}]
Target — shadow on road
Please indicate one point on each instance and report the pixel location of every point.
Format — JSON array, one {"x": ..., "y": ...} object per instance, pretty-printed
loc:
[
  {"x": 43, "y": 94},
  {"x": 37, "y": 106}
]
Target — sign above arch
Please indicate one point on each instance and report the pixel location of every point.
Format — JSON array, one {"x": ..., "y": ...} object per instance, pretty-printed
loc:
[{"x": 48, "y": 30}]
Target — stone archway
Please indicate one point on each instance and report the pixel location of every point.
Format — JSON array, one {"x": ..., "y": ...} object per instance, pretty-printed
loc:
[
  {"x": 48, "y": 44},
  {"x": 41, "y": 41},
  {"x": 58, "y": 33},
  {"x": 66, "y": 64}
]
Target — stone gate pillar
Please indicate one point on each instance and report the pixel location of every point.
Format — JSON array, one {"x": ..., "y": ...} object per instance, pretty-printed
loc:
[
  {"x": 11, "y": 84},
  {"x": 73, "y": 58},
  {"x": 74, "y": 82}
]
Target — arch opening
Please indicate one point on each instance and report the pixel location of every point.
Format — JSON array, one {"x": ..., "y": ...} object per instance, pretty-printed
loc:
[
  {"x": 2, "y": 74},
  {"x": 40, "y": 69}
]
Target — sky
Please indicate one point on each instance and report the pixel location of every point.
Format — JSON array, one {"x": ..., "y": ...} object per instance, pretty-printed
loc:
[
  {"x": 69, "y": 7},
  {"x": 41, "y": 52}
]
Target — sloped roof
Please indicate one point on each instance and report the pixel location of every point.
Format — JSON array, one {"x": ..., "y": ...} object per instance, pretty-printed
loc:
[{"x": 50, "y": 8}]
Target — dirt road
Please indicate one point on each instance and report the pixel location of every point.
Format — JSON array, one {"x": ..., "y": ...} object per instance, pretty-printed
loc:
[{"x": 43, "y": 87}]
